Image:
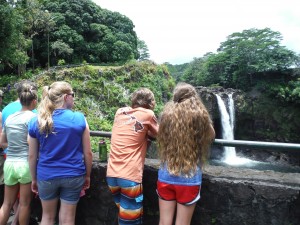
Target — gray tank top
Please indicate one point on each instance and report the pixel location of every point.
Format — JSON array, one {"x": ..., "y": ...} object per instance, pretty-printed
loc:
[{"x": 16, "y": 130}]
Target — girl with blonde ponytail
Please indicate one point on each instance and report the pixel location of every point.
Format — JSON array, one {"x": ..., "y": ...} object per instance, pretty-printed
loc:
[
  {"x": 59, "y": 137},
  {"x": 52, "y": 98}
]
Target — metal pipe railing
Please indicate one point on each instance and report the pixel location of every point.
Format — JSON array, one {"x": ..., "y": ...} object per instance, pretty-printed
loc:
[
  {"x": 275, "y": 146},
  {"x": 100, "y": 134}
]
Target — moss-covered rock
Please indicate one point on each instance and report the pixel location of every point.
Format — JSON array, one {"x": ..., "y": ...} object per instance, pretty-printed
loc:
[{"x": 100, "y": 91}]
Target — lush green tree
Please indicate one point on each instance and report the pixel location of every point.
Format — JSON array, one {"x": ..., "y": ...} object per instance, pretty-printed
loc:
[
  {"x": 143, "y": 50},
  {"x": 177, "y": 70},
  {"x": 13, "y": 43},
  {"x": 7, "y": 30},
  {"x": 241, "y": 58},
  {"x": 122, "y": 51},
  {"x": 207, "y": 70},
  {"x": 254, "y": 51},
  {"x": 97, "y": 31},
  {"x": 73, "y": 30},
  {"x": 93, "y": 33},
  {"x": 216, "y": 69},
  {"x": 61, "y": 49},
  {"x": 48, "y": 25},
  {"x": 191, "y": 74},
  {"x": 34, "y": 22}
]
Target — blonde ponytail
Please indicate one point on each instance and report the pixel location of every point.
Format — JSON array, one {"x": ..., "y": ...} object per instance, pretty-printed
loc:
[{"x": 52, "y": 98}]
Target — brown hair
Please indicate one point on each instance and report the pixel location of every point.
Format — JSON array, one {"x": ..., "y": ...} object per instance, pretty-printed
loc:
[
  {"x": 184, "y": 132},
  {"x": 143, "y": 97},
  {"x": 27, "y": 92}
]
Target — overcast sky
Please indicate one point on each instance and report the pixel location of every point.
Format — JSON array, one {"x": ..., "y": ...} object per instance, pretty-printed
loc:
[{"x": 176, "y": 31}]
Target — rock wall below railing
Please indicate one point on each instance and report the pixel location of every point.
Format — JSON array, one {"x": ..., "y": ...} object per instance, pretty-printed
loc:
[{"x": 228, "y": 196}]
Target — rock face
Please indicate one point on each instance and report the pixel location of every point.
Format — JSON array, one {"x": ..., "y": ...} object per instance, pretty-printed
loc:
[
  {"x": 243, "y": 196},
  {"x": 208, "y": 97},
  {"x": 257, "y": 118},
  {"x": 228, "y": 196}
]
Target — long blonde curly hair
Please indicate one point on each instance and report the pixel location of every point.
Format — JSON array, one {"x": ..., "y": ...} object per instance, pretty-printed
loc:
[
  {"x": 184, "y": 132},
  {"x": 52, "y": 98}
]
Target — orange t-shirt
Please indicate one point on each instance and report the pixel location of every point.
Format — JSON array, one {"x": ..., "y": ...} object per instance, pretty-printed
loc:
[{"x": 129, "y": 142}]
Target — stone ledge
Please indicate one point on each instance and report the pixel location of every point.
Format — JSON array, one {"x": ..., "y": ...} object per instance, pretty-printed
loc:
[
  {"x": 239, "y": 196},
  {"x": 266, "y": 176},
  {"x": 228, "y": 196}
]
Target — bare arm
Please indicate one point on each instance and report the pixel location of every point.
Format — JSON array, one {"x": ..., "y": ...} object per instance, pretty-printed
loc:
[
  {"x": 1, "y": 148},
  {"x": 32, "y": 159},
  {"x": 153, "y": 129},
  {"x": 88, "y": 156},
  {"x": 1, "y": 133},
  {"x": 212, "y": 133},
  {"x": 3, "y": 138}
]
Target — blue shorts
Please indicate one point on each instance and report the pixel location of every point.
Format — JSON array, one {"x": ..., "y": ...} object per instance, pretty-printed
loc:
[
  {"x": 67, "y": 189},
  {"x": 128, "y": 196}
]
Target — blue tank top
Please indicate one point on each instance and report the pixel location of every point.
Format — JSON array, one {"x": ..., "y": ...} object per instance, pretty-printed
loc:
[
  {"x": 166, "y": 177},
  {"x": 61, "y": 152}
]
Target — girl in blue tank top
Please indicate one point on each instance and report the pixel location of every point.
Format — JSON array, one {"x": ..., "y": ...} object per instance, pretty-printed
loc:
[{"x": 60, "y": 154}]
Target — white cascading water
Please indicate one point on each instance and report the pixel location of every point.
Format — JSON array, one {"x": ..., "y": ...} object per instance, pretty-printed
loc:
[
  {"x": 227, "y": 122},
  {"x": 227, "y": 131},
  {"x": 231, "y": 112}
]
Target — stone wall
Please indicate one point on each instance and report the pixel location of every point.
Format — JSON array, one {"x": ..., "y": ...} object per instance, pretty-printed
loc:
[{"x": 229, "y": 196}]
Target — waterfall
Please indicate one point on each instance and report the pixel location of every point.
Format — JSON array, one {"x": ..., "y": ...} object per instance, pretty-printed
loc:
[
  {"x": 231, "y": 112},
  {"x": 227, "y": 122},
  {"x": 227, "y": 126}
]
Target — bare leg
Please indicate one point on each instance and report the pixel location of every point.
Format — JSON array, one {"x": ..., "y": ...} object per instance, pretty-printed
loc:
[
  {"x": 184, "y": 214},
  {"x": 166, "y": 212},
  {"x": 24, "y": 203},
  {"x": 10, "y": 195},
  {"x": 49, "y": 211},
  {"x": 16, "y": 211},
  {"x": 67, "y": 214}
]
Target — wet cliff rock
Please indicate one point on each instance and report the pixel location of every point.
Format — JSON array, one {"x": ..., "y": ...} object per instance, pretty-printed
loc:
[{"x": 257, "y": 118}]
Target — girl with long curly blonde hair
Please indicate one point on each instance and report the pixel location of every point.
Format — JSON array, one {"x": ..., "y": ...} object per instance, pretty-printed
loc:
[{"x": 184, "y": 136}]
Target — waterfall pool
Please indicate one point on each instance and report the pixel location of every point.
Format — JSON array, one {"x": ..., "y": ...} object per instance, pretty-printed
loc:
[{"x": 245, "y": 163}]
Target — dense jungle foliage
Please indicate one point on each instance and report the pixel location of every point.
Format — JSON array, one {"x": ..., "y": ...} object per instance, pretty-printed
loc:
[
  {"x": 251, "y": 59},
  {"x": 38, "y": 34},
  {"x": 255, "y": 62},
  {"x": 101, "y": 90},
  {"x": 43, "y": 33}
]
